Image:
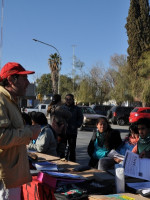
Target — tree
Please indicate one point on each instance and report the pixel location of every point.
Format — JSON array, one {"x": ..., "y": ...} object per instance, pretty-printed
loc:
[
  {"x": 44, "y": 84},
  {"x": 54, "y": 63},
  {"x": 92, "y": 87},
  {"x": 133, "y": 32},
  {"x": 84, "y": 93},
  {"x": 99, "y": 84},
  {"x": 144, "y": 24},
  {"x": 138, "y": 31},
  {"x": 119, "y": 79},
  {"x": 66, "y": 85}
]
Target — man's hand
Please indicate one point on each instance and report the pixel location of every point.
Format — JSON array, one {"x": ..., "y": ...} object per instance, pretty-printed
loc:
[{"x": 36, "y": 129}]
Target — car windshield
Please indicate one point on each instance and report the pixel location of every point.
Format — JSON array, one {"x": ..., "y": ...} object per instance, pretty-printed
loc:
[
  {"x": 135, "y": 110},
  {"x": 88, "y": 110}
]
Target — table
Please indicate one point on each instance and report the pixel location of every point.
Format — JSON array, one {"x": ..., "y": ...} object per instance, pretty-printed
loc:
[
  {"x": 68, "y": 166},
  {"x": 92, "y": 174}
]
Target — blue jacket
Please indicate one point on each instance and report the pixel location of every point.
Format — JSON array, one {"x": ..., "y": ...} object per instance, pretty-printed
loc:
[{"x": 114, "y": 141}]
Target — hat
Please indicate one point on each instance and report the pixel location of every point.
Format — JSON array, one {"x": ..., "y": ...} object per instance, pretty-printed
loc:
[
  {"x": 56, "y": 98},
  {"x": 12, "y": 68}
]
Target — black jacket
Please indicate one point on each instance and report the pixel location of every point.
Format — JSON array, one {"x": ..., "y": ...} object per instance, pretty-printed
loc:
[
  {"x": 76, "y": 119},
  {"x": 113, "y": 140}
]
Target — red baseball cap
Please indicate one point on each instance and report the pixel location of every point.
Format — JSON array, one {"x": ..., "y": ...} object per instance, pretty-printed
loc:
[{"x": 12, "y": 68}]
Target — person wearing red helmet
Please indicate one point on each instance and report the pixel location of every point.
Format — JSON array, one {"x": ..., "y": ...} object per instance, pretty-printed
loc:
[{"x": 14, "y": 136}]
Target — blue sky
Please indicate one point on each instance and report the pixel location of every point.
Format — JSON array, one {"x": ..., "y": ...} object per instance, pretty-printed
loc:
[{"x": 95, "y": 27}]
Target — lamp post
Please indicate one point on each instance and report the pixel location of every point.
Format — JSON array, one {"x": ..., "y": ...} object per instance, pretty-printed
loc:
[{"x": 58, "y": 63}]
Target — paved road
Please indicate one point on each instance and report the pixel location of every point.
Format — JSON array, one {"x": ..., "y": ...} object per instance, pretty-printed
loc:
[{"x": 83, "y": 140}]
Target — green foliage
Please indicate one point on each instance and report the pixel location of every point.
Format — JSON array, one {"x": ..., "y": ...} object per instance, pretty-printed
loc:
[
  {"x": 66, "y": 85},
  {"x": 144, "y": 24},
  {"x": 93, "y": 87},
  {"x": 146, "y": 93},
  {"x": 55, "y": 58},
  {"x": 54, "y": 63},
  {"x": 138, "y": 31},
  {"x": 120, "y": 79},
  {"x": 84, "y": 92},
  {"x": 133, "y": 32},
  {"x": 44, "y": 84},
  {"x": 144, "y": 65}
]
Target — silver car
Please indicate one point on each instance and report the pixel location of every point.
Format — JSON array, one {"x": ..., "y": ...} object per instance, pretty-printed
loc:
[{"x": 90, "y": 118}]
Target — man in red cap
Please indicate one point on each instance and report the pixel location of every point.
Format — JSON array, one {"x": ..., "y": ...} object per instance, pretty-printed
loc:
[{"x": 14, "y": 136}]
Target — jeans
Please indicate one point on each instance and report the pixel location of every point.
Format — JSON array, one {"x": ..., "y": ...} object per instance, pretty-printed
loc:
[{"x": 9, "y": 194}]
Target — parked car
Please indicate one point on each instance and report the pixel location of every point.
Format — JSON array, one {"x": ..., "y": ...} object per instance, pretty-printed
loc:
[
  {"x": 101, "y": 109},
  {"x": 39, "y": 108},
  {"x": 119, "y": 115},
  {"x": 90, "y": 118},
  {"x": 139, "y": 112}
]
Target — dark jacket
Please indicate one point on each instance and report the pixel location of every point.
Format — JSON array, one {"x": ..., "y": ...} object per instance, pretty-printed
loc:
[
  {"x": 76, "y": 119},
  {"x": 113, "y": 142}
]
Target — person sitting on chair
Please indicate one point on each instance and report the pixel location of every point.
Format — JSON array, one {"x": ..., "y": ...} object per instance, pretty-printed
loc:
[{"x": 104, "y": 139}]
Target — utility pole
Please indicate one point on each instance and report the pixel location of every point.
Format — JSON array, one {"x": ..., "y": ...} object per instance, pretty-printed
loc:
[
  {"x": 73, "y": 66},
  {"x": 1, "y": 41}
]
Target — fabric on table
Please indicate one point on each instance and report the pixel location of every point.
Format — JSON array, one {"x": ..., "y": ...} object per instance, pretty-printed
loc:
[{"x": 37, "y": 190}]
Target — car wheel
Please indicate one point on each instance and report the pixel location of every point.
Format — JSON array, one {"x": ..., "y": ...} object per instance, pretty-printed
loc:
[
  {"x": 121, "y": 122},
  {"x": 112, "y": 121}
]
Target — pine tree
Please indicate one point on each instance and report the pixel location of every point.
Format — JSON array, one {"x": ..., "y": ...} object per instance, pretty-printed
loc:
[
  {"x": 144, "y": 24},
  {"x": 138, "y": 31},
  {"x": 133, "y": 33}
]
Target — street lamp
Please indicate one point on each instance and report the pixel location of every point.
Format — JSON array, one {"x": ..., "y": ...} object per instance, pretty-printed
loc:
[{"x": 58, "y": 63}]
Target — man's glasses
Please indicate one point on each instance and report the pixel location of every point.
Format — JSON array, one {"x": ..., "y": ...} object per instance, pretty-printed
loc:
[{"x": 67, "y": 99}]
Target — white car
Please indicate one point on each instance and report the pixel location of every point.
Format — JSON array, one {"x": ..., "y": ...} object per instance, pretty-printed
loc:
[{"x": 39, "y": 108}]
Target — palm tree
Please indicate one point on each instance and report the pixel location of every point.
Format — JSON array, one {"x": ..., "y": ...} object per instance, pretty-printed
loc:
[{"x": 54, "y": 63}]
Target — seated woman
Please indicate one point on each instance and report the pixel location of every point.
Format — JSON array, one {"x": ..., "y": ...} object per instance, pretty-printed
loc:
[
  {"x": 143, "y": 145},
  {"x": 47, "y": 140},
  {"x": 104, "y": 139},
  {"x": 130, "y": 141}
]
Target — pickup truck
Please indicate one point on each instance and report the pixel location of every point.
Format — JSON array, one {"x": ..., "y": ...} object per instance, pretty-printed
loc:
[{"x": 39, "y": 108}]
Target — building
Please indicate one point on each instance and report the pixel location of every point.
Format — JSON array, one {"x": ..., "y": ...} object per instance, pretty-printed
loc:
[{"x": 29, "y": 99}]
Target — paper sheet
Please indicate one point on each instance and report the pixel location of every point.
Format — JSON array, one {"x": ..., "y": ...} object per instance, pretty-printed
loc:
[
  {"x": 135, "y": 166},
  {"x": 115, "y": 154}
]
